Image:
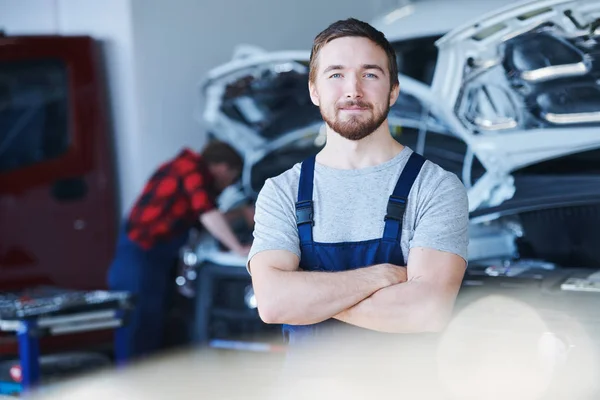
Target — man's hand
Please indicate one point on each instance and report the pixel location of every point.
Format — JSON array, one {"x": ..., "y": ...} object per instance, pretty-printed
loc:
[{"x": 392, "y": 274}]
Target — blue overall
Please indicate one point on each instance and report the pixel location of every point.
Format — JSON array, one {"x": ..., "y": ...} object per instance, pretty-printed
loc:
[
  {"x": 146, "y": 274},
  {"x": 335, "y": 257}
]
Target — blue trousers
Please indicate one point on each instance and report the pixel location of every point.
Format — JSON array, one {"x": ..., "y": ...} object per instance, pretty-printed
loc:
[{"x": 146, "y": 274}]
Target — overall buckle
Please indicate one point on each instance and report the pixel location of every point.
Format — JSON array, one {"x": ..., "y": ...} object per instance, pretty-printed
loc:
[
  {"x": 395, "y": 208},
  {"x": 304, "y": 213}
]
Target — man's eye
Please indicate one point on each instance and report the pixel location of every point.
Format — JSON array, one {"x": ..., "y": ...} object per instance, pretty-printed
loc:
[
  {"x": 371, "y": 75},
  {"x": 336, "y": 76}
]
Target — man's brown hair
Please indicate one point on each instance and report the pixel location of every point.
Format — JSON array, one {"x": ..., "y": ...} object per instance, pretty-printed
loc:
[
  {"x": 220, "y": 152},
  {"x": 352, "y": 27}
]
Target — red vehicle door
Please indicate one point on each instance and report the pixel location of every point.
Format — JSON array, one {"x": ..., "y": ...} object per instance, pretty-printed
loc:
[{"x": 57, "y": 198}]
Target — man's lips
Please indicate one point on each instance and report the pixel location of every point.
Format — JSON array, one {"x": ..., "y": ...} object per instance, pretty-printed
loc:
[
  {"x": 354, "y": 106},
  {"x": 354, "y": 109}
]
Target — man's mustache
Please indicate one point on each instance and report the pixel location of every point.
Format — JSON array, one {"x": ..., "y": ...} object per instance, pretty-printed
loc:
[{"x": 354, "y": 103}]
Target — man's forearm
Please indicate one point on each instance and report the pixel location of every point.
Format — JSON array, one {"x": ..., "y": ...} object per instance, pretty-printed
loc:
[
  {"x": 216, "y": 224},
  {"x": 409, "y": 307},
  {"x": 307, "y": 297}
]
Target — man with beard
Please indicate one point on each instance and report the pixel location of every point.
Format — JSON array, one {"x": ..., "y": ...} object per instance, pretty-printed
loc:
[{"x": 367, "y": 238}]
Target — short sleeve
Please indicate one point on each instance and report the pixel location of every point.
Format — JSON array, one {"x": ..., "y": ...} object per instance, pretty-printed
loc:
[
  {"x": 443, "y": 218},
  {"x": 274, "y": 223}
]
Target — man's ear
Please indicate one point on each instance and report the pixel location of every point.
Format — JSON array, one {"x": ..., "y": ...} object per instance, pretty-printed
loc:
[
  {"x": 314, "y": 95},
  {"x": 394, "y": 93}
]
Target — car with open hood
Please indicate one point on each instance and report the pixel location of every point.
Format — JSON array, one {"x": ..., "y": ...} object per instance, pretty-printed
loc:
[{"x": 519, "y": 127}]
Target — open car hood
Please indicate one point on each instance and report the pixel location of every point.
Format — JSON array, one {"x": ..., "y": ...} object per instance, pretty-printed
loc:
[{"x": 520, "y": 86}]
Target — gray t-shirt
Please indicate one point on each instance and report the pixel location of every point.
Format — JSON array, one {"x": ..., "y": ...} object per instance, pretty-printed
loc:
[{"x": 350, "y": 206}]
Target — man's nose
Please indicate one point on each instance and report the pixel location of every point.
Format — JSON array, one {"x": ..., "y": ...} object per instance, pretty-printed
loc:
[{"x": 353, "y": 87}]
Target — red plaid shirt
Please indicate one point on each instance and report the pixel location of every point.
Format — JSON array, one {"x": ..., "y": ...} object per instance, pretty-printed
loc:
[{"x": 174, "y": 197}]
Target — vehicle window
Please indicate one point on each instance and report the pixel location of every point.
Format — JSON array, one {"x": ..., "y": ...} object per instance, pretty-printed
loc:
[{"x": 33, "y": 112}]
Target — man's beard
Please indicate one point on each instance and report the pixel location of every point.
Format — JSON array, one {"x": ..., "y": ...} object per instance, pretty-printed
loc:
[{"x": 355, "y": 127}]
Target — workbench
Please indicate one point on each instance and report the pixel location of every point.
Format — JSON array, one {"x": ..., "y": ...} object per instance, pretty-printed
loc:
[{"x": 50, "y": 311}]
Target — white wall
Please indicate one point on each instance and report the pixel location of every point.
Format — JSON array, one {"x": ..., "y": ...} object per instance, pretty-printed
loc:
[{"x": 25, "y": 17}]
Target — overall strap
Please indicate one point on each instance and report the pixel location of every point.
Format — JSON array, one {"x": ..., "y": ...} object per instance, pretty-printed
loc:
[
  {"x": 304, "y": 205},
  {"x": 397, "y": 202}
]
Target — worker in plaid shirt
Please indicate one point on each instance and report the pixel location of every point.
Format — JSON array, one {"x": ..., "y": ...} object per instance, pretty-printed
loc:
[{"x": 180, "y": 194}]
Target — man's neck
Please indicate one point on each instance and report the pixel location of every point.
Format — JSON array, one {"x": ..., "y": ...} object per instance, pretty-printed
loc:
[{"x": 375, "y": 149}]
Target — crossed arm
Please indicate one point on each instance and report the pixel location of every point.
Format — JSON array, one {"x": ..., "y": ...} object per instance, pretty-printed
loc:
[{"x": 387, "y": 298}]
